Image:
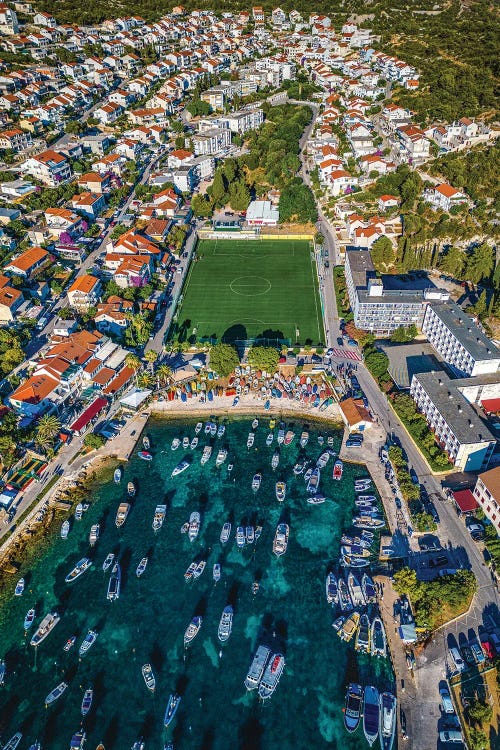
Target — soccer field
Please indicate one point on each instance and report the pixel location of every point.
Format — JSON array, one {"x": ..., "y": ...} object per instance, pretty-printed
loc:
[{"x": 248, "y": 289}]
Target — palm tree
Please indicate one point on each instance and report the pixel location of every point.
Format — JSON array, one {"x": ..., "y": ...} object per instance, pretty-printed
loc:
[
  {"x": 151, "y": 357},
  {"x": 47, "y": 428},
  {"x": 145, "y": 380},
  {"x": 133, "y": 361},
  {"x": 163, "y": 374}
]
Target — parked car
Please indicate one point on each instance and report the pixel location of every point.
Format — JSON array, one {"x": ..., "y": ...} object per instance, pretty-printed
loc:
[
  {"x": 437, "y": 562},
  {"x": 352, "y": 342},
  {"x": 398, "y": 503},
  {"x": 340, "y": 342},
  {"x": 446, "y": 701},
  {"x": 431, "y": 509},
  {"x": 477, "y": 652},
  {"x": 353, "y": 443},
  {"x": 457, "y": 660},
  {"x": 475, "y": 529},
  {"x": 451, "y": 735}
]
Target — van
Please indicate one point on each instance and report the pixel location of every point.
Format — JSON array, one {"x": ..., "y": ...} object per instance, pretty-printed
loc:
[
  {"x": 459, "y": 663},
  {"x": 446, "y": 701},
  {"x": 451, "y": 735}
]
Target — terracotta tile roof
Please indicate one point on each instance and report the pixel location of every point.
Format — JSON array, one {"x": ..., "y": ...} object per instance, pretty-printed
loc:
[{"x": 84, "y": 284}]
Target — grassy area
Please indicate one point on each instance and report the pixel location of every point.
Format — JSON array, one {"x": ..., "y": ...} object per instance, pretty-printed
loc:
[
  {"x": 417, "y": 428},
  {"x": 483, "y": 687},
  {"x": 341, "y": 296},
  {"x": 241, "y": 289}
]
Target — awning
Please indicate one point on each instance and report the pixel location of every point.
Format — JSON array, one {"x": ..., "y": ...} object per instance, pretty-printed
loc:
[
  {"x": 491, "y": 405},
  {"x": 465, "y": 501},
  {"x": 135, "y": 399},
  {"x": 89, "y": 414}
]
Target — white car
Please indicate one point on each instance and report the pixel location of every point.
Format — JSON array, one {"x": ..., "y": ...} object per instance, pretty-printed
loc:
[{"x": 446, "y": 701}]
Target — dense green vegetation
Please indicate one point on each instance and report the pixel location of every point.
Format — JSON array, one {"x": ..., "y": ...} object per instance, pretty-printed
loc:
[
  {"x": 435, "y": 602},
  {"x": 223, "y": 359},
  {"x": 415, "y": 423},
  {"x": 476, "y": 172}
]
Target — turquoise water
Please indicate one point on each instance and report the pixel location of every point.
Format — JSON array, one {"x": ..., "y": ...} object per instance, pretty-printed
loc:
[{"x": 148, "y": 621}]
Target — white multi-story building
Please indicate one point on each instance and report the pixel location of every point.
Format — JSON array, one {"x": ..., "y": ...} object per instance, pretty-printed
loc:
[
  {"x": 50, "y": 167},
  {"x": 212, "y": 142},
  {"x": 8, "y": 20},
  {"x": 455, "y": 423},
  {"x": 487, "y": 494},
  {"x": 459, "y": 340}
]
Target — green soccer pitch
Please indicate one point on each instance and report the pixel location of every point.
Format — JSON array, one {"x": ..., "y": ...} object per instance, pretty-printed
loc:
[{"x": 248, "y": 289}]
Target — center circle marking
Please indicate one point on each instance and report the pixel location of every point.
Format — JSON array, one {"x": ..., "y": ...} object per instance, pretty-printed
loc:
[{"x": 250, "y": 286}]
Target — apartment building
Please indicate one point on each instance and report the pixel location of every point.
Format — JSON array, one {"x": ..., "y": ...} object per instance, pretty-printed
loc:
[
  {"x": 15, "y": 139},
  {"x": 459, "y": 340},
  {"x": 212, "y": 142},
  {"x": 49, "y": 167},
  {"x": 455, "y": 423},
  {"x": 84, "y": 292},
  {"x": 377, "y": 309},
  {"x": 8, "y": 20},
  {"x": 487, "y": 494}
]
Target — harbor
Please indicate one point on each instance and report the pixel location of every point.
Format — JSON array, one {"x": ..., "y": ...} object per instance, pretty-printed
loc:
[{"x": 277, "y": 600}]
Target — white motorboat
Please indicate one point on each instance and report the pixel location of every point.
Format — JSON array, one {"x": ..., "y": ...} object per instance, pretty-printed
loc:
[
  {"x": 250, "y": 440},
  {"x": 207, "y": 452},
  {"x": 94, "y": 534},
  {"x": 256, "y": 482},
  {"x": 198, "y": 428},
  {"x": 65, "y": 529},
  {"x": 56, "y": 693},
  {"x": 225, "y": 624},
  {"x": 194, "y": 443},
  {"x": 269, "y": 439},
  {"x": 225, "y": 533},
  {"x": 280, "y": 490},
  {"x": 194, "y": 526},
  {"x": 313, "y": 483},
  {"x": 387, "y": 720},
  {"x": 332, "y": 590},
  {"x": 175, "y": 444},
  {"x": 108, "y": 562}
]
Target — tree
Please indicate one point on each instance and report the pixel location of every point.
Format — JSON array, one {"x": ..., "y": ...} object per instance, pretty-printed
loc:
[
  {"x": 239, "y": 196},
  {"x": 218, "y": 188},
  {"x": 201, "y": 205},
  {"x": 133, "y": 361},
  {"x": 199, "y": 108},
  {"x": 151, "y": 356},
  {"x": 401, "y": 335},
  {"x": 264, "y": 358},
  {"x": 481, "y": 306},
  {"x": 74, "y": 127},
  {"x": 452, "y": 262},
  {"x": 91, "y": 440},
  {"x": 478, "y": 740},
  {"x": 479, "y": 712},
  {"x": 164, "y": 374},
  {"x": 405, "y": 581},
  {"x": 145, "y": 380},
  {"x": 480, "y": 263},
  {"x": 66, "y": 313},
  {"x": 223, "y": 359},
  {"x": 47, "y": 428},
  {"x": 382, "y": 252}
]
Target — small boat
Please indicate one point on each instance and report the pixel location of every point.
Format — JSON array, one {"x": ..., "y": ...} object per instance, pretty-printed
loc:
[
  {"x": 363, "y": 639},
  {"x": 255, "y": 587},
  {"x": 230, "y": 467},
  {"x": 271, "y": 676},
  {"x": 194, "y": 525},
  {"x": 225, "y": 624},
  {"x": 349, "y": 627},
  {"x": 56, "y": 693},
  {"x": 258, "y": 532},
  {"x": 69, "y": 643},
  {"x": 221, "y": 457},
  {"x": 355, "y": 591},
  {"x": 182, "y": 466},
  {"x": 337, "y": 624},
  {"x": 200, "y": 567},
  {"x": 19, "y": 587},
  {"x": 108, "y": 562},
  {"x": 141, "y": 567},
  {"x": 117, "y": 476},
  {"x": 79, "y": 569},
  {"x": 272, "y": 424},
  {"x": 35, "y": 746},
  {"x": 159, "y": 517},
  {"x": 185, "y": 442},
  {"x": 387, "y": 720},
  {"x": 257, "y": 667},
  {"x": 250, "y": 440},
  {"x": 65, "y": 529},
  {"x": 378, "y": 639},
  {"x": 368, "y": 522},
  {"x": 323, "y": 460},
  {"x": 78, "y": 740},
  {"x": 216, "y": 572},
  {"x": 225, "y": 533},
  {"x": 190, "y": 571},
  {"x": 368, "y": 504},
  {"x": 94, "y": 534},
  {"x": 240, "y": 537},
  {"x": 207, "y": 452},
  {"x": 298, "y": 468},
  {"x": 255, "y": 424},
  {"x": 198, "y": 428},
  {"x": 280, "y": 491},
  {"x": 329, "y": 440},
  {"x": 371, "y": 713},
  {"x": 308, "y": 475},
  {"x": 87, "y": 701},
  {"x": 353, "y": 707},
  {"x": 138, "y": 745},
  {"x": 290, "y": 434},
  {"x": 88, "y": 642},
  {"x": 315, "y": 499},
  {"x": 358, "y": 541},
  {"x": 313, "y": 483},
  {"x": 13, "y": 742},
  {"x": 332, "y": 589},
  {"x": 192, "y": 630},
  {"x": 280, "y": 543},
  {"x": 131, "y": 489},
  {"x": 361, "y": 485},
  {"x": 355, "y": 551},
  {"x": 121, "y": 514},
  {"x": 146, "y": 443},
  {"x": 281, "y": 433},
  {"x": 368, "y": 589},
  {"x": 256, "y": 482},
  {"x": 3, "y": 671},
  {"x": 172, "y": 706},
  {"x": 338, "y": 468},
  {"x": 321, "y": 439},
  {"x": 175, "y": 444},
  {"x": 275, "y": 460},
  {"x": 344, "y": 598},
  {"x": 250, "y": 534},
  {"x": 194, "y": 443},
  {"x": 114, "y": 584},
  {"x": 28, "y": 620},
  {"x": 366, "y": 498},
  {"x": 79, "y": 512},
  {"x": 269, "y": 439},
  {"x": 145, "y": 455},
  {"x": 354, "y": 562},
  {"x": 149, "y": 677},
  {"x": 213, "y": 429},
  {"x": 221, "y": 430},
  {"x": 304, "y": 439},
  {"x": 207, "y": 428}
]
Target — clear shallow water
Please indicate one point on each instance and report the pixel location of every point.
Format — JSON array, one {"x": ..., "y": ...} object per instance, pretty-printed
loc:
[{"x": 148, "y": 621}]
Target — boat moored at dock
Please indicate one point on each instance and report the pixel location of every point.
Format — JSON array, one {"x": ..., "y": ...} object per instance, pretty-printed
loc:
[
  {"x": 271, "y": 676},
  {"x": 371, "y": 712},
  {"x": 388, "y": 715},
  {"x": 257, "y": 667},
  {"x": 353, "y": 707}
]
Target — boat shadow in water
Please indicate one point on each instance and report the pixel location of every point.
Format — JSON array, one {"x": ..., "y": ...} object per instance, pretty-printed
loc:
[
  {"x": 208, "y": 739},
  {"x": 111, "y": 732},
  {"x": 233, "y": 594},
  {"x": 98, "y": 686},
  {"x": 274, "y": 633},
  {"x": 250, "y": 734},
  {"x": 200, "y": 609},
  {"x": 103, "y": 521},
  {"x": 157, "y": 657},
  {"x": 125, "y": 562}
]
